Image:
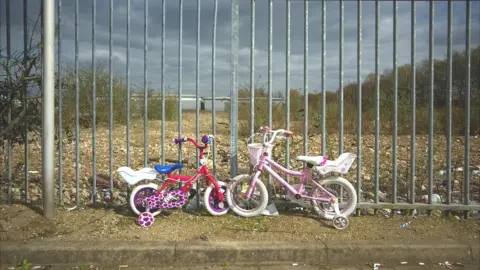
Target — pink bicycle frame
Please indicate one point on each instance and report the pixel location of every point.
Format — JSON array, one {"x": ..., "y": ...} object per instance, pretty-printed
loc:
[{"x": 303, "y": 174}]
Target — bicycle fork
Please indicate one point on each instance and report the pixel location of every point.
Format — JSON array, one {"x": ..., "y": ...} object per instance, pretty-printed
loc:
[{"x": 252, "y": 183}]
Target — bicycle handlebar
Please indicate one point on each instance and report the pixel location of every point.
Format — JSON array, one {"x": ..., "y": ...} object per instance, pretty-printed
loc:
[
  {"x": 206, "y": 139},
  {"x": 266, "y": 129},
  {"x": 177, "y": 141}
]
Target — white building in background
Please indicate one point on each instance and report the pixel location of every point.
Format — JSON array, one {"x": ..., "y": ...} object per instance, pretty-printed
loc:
[
  {"x": 221, "y": 103},
  {"x": 189, "y": 102}
]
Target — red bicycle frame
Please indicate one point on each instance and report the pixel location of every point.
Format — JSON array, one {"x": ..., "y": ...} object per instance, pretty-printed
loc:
[{"x": 189, "y": 180}]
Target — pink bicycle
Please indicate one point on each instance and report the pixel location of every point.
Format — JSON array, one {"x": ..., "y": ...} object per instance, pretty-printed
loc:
[{"x": 247, "y": 196}]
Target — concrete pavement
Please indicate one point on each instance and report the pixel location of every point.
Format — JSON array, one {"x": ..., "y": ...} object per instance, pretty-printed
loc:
[
  {"x": 227, "y": 255},
  {"x": 466, "y": 266}
]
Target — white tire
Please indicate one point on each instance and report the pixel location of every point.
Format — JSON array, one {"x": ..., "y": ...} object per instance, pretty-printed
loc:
[
  {"x": 260, "y": 189},
  {"x": 206, "y": 201},
  {"x": 346, "y": 211},
  {"x": 137, "y": 189}
]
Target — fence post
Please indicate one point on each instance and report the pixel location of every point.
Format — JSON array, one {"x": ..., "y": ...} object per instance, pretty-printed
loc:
[
  {"x": 233, "y": 88},
  {"x": 48, "y": 107}
]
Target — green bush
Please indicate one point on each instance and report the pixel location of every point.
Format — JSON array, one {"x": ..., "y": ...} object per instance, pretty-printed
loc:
[
  {"x": 386, "y": 79},
  {"x": 119, "y": 100}
]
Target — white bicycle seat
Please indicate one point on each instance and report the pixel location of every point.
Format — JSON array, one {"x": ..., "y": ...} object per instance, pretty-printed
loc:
[
  {"x": 314, "y": 160},
  {"x": 133, "y": 177}
]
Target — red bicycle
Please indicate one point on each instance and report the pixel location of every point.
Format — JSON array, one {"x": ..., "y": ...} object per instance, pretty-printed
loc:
[{"x": 148, "y": 200}]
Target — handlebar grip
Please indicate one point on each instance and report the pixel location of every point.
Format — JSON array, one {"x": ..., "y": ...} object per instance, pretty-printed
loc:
[
  {"x": 288, "y": 133},
  {"x": 179, "y": 140}
]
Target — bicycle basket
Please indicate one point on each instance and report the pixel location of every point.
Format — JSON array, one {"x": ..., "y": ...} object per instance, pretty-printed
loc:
[{"x": 255, "y": 150}]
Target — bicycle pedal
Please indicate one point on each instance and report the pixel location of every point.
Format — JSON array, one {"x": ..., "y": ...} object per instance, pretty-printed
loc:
[{"x": 193, "y": 193}]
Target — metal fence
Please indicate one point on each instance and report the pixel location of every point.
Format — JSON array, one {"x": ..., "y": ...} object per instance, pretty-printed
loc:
[{"x": 409, "y": 183}]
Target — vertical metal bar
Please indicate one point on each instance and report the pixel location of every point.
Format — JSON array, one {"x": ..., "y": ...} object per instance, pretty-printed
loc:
[
  {"x": 340, "y": 120},
  {"x": 128, "y": 83},
  {"x": 162, "y": 81},
  {"x": 145, "y": 86},
  {"x": 214, "y": 49},
  {"x": 449, "y": 105},
  {"x": 94, "y": 105},
  {"x": 233, "y": 89},
  {"x": 377, "y": 103},
  {"x": 110, "y": 86},
  {"x": 197, "y": 83},
  {"x": 287, "y": 86},
  {"x": 359, "y": 101},
  {"x": 9, "y": 117},
  {"x": 60, "y": 108},
  {"x": 180, "y": 70},
  {"x": 42, "y": 68},
  {"x": 252, "y": 67},
  {"x": 1, "y": 24},
  {"x": 430, "y": 103},
  {"x": 324, "y": 90},
  {"x": 48, "y": 108},
  {"x": 341, "y": 114},
  {"x": 25, "y": 94},
  {"x": 413, "y": 105},
  {"x": 77, "y": 101},
  {"x": 466, "y": 185},
  {"x": 270, "y": 59},
  {"x": 395, "y": 102},
  {"x": 197, "y": 93},
  {"x": 305, "y": 77}
]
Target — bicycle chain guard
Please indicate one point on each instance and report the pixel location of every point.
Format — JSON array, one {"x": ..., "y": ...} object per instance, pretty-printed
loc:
[{"x": 164, "y": 200}]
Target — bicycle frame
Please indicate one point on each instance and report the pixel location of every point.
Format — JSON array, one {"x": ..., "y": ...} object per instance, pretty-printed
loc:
[
  {"x": 265, "y": 160},
  {"x": 189, "y": 180}
]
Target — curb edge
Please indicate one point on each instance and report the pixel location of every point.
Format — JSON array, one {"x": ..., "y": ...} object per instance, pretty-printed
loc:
[{"x": 189, "y": 253}]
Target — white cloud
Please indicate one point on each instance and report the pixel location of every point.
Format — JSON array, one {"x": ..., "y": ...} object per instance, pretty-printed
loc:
[{"x": 261, "y": 53}]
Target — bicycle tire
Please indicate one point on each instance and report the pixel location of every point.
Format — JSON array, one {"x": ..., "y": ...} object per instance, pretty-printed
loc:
[
  {"x": 260, "y": 186},
  {"x": 352, "y": 202},
  {"x": 206, "y": 201},
  {"x": 137, "y": 189}
]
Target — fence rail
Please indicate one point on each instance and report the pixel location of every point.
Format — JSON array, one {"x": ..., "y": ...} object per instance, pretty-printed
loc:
[{"x": 394, "y": 121}]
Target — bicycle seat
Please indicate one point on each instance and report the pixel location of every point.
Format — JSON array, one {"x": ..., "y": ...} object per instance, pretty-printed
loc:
[
  {"x": 166, "y": 169},
  {"x": 314, "y": 160},
  {"x": 340, "y": 165}
]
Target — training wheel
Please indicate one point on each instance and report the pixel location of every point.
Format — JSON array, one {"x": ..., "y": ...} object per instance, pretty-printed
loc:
[
  {"x": 340, "y": 222},
  {"x": 145, "y": 219}
]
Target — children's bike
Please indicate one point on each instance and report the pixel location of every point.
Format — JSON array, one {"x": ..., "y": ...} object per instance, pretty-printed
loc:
[
  {"x": 148, "y": 200},
  {"x": 247, "y": 196}
]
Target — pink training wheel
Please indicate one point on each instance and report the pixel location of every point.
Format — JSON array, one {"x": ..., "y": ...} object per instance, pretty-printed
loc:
[{"x": 145, "y": 219}]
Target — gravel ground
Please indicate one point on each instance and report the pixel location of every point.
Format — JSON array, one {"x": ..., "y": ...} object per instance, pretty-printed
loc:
[
  {"x": 222, "y": 168},
  {"x": 20, "y": 222}
]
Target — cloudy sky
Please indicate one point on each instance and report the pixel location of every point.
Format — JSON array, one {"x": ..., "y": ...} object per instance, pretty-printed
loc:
[{"x": 261, "y": 38}]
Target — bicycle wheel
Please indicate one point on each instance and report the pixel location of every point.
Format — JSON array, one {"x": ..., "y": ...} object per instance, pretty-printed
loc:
[
  {"x": 211, "y": 202},
  {"x": 346, "y": 206},
  {"x": 237, "y": 191},
  {"x": 140, "y": 192}
]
